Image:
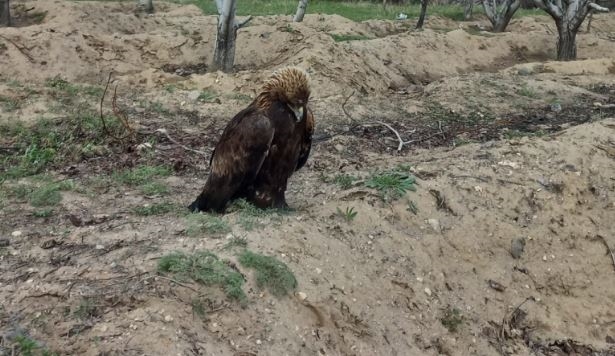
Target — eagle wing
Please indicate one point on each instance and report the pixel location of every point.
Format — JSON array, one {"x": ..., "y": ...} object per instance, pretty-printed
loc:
[
  {"x": 306, "y": 144},
  {"x": 236, "y": 159}
]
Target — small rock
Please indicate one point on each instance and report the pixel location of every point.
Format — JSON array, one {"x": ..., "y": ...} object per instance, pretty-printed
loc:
[
  {"x": 544, "y": 258},
  {"x": 556, "y": 107},
  {"x": 318, "y": 270},
  {"x": 339, "y": 148},
  {"x": 258, "y": 342},
  {"x": 496, "y": 285},
  {"x": 435, "y": 224},
  {"x": 610, "y": 339},
  {"x": 16, "y": 233},
  {"x": 302, "y": 296},
  {"x": 100, "y": 247},
  {"x": 516, "y": 248},
  {"x": 168, "y": 318},
  {"x": 524, "y": 71},
  {"x": 428, "y": 291}
]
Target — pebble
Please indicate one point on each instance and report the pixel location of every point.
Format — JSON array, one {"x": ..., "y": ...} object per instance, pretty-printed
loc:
[
  {"x": 339, "y": 148},
  {"x": 428, "y": 291},
  {"x": 516, "y": 247},
  {"x": 100, "y": 247},
  {"x": 302, "y": 296},
  {"x": 16, "y": 233},
  {"x": 435, "y": 224},
  {"x": 194, "y": 95},
  {"x": 318, "y": 270},
  {"x": 258, "y": 342},
  {"x": 168, "y": 318}
]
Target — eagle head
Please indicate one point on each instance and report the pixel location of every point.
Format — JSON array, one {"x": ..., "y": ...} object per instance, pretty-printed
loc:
[{"x": 289, "y": 85}]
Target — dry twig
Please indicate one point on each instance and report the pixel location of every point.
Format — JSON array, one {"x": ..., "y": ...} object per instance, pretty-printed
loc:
[
  {"x": 608, "y": 248},
  {"x": 20, "y": 49},
  {"x": 164, "y": 132}
]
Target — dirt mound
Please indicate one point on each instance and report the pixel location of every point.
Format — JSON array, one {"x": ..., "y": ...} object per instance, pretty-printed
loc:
[{"x": 484, "y": 233}]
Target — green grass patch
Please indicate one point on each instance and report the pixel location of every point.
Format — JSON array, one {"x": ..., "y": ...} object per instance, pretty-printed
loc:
[
  {"x": 344, "y": 38},
  {"x": 349, "y": 214},
  {"x": 154, "y": 209},
  {"x": 251, "y": 216},
  {"x": 206, "y": 268},
  {"x": 200, "y": 223},
  {"x": 207, "y": 96},
  {"x": 353, "y": 10},
  {"x": 270, "y": 272},
  {"x": 236, "y": 241},
  {"x": 344, "y": 181},
  {"x": 141, "y": 175},
  {"x": 43, "y": 213},
  {"x": 49, "y": 194},
  {"x": 391, "y": 184},
  {"x": 26, "y": 346},
  {"x": 527, "y": 92},
  {"x": 452, "y": 319}
]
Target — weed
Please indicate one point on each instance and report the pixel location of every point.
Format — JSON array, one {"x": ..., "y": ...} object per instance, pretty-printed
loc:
[
  {"x": 527, "y": 91},
  {"x": 201, "y": 222},
  {"x": 240, "y": 97},
  {"x": 86, "y": 309},
  {"x": 237, "y": 241},
  {"x": 158, "y": 107},
  {"x": 207, "y": 96},
  {"x": 270, "y": 272},
  {"x": 344, "y": 181},
  {"x": 391, "y": 184},
  {"x": 452, "y": 319},
  {"x": 154, "y": 188},
  {"x": 20, "y": 191},
  {"x": 29, "y": 347},
  {"x": 412, "y": 207},
  {"x": 349, "y": 214},
  {"x": 170, "y": 88},
  {"x": 49, "y": 193},
  {"x": 344, "y": 38},
  {"x": 9, "y": 104},
  {"x": 198, "y": 308},
  {"x": 250, "y": 216},
  {"x": 154, "y": 209},
  {"x": 204, "y": 267},
  {"x": 141, "y": 175},
  {"x": 43, "y": 213}
]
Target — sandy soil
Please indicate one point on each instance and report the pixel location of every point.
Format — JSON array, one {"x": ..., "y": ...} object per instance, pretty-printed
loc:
[{"x": 507, "y": 145}]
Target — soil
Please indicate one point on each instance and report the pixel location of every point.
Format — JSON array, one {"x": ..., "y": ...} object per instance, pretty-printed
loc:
[{"x": 502, "y": 248}]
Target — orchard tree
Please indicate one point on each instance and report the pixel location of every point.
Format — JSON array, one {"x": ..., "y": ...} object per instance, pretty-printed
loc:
[
  {"x": 224, "y": 54},
  {"x": 568, "y": 16},
  {"x": 421, "y": 21},
  {"x": 500, "y": 17},
  {"x": 300, "y": 10}
]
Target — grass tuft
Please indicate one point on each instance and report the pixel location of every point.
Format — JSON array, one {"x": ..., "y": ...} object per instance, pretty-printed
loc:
[
  {"x": 154, "y": 209},
  {"x": 452, "y": 319},
  {"x": 391, "y": 184},
  {"x": 270, "y": 272},
  {"x": 206, "y": 223},
  {"x": 204, "y": 267}
]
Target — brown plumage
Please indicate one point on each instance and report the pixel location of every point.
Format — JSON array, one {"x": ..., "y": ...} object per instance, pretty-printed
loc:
[{"x": 262, "y": 146}]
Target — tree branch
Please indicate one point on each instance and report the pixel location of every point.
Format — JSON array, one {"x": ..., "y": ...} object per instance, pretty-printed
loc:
[
  {"x": 597, "y": 7},
  {"x": 241, "y": 24},
  {"x": 550, "y": 8}
]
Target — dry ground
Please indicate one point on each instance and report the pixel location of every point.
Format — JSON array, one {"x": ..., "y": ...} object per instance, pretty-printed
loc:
[{"x": 500, "y": 249}]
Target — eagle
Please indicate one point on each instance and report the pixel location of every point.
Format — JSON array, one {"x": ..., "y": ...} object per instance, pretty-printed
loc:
[{"x": 262, "y": 146}]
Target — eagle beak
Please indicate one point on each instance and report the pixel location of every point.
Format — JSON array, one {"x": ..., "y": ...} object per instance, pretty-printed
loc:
[{"x": 298, "y": 111}]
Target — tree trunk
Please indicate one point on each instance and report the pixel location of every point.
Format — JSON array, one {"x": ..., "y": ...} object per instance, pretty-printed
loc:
[
  {"x": 566, "y": 43},
  {"x": 300, "y": 10},
  {"x": 224, "y": 54},
  {"x": 500, "y": 19},
  {"x": 149, "y": 6},
  {"x": 419, "y": 23},
  {"x": 5, "y": 13},
  {"x": 467, "y": 11}
]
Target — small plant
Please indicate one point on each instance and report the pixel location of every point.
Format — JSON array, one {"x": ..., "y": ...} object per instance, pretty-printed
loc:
[
  {"x": 49, "y": 194},
  {"x": 237, "y": 241},
  {"x": 154, "y": 188},
  {"x": 158, "y": 107},
  {"x": 349, "y": 214},
  {"x": 344, "y": 38},
  {"x": 206, "y": 223},
  {"x": 250, "y": 216},
  {"x": 270, "y": 272},
  {"x": 141, "y": 175},
  {"x": 392, "y": 184},
  {"x": 412, "y": 207},
  {"x": 154, "y": 209},
  {"x": 207, "y": 96},
  {"x": 198, "y": 308},
  {"x": 344, "y": 181},
  {"x": 452, "y": 319},
  {"x": 43, "y": 213},
  {"x": 86, "y": 309},
  {"x": 527, "y": 91},
  {"x": 204, "y": 267}
]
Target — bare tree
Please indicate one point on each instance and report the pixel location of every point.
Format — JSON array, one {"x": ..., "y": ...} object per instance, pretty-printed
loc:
[
  {"x": 421, "y": 21},
  {"x": 149, "y": 6},
  {"x": 5, "y": 13},
  {"x": 568, "y": 16},
  {"x": 224, "y": 54},
  {"x": 300, "y": 10},
  {"x": 467, "y": 9},
  {"x": 500, "y": 18}
]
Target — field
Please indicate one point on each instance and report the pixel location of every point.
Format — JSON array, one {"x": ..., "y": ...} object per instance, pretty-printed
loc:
[{"x": 458, "y": 199}]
